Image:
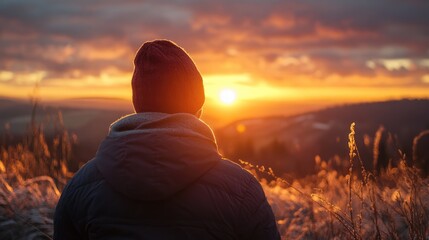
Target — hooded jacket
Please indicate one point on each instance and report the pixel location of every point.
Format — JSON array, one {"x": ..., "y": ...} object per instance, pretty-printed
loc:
[{"x": 160, "y": 176}]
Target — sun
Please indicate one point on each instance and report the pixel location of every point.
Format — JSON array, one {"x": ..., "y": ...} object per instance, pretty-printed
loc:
[{"x": 227, "y": 96}]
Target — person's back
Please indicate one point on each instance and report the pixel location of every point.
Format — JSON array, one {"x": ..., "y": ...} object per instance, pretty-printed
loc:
[{"x": 158, "y": 174}]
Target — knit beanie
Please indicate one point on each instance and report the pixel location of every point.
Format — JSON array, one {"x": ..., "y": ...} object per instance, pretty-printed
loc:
[{"x": 166, "y": 80}]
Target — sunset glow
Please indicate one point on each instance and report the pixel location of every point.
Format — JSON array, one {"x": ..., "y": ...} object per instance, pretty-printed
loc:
[
  {"x": 227, "y": 96},
  {"x": 304, "y": 52}
]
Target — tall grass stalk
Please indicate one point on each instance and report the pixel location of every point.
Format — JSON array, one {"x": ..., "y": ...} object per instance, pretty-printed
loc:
[
  {"x": 392, "y": 205},
  {"x": 32, "y": 174}
]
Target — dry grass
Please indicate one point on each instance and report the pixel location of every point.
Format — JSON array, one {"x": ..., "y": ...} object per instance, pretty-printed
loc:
[
  {"x": 30, "y": 173},
  {"x": 26, "y": 210},
  {"x": 359, "y": 205},
  {"x": 328, "y": 205}
]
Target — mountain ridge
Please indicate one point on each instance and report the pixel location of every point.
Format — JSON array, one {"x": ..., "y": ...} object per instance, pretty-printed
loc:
[{"x": 288, "y": 143}]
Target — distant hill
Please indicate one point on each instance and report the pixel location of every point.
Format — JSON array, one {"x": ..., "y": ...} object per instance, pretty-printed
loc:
[
  {"x": 290, "y": 144},
  {"x": 80, "y": 117},
  {"x": 287, "y": 144}
]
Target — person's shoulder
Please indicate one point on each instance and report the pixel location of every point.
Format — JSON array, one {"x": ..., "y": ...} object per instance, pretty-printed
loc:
[
  {"x": 232, "y": 170},
  {"x": 86, "y": 176},
  {"x": 230, "y": 177}
]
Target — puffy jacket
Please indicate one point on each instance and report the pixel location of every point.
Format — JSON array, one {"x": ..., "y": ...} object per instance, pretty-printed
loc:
[{"x": 160, "y": 176}]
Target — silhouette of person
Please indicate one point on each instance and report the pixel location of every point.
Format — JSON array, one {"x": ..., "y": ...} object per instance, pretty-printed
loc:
[{"x": 158, "y": 174}]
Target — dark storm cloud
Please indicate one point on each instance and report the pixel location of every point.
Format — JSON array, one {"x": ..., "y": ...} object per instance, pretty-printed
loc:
[{"x": 268, "y": 39}]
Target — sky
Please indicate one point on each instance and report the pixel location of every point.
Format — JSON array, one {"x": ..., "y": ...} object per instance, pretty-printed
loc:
[{"x": 299, "y": 52}]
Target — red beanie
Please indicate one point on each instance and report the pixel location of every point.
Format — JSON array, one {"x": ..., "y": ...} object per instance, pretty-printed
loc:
[{"x": 166, "y": 80}]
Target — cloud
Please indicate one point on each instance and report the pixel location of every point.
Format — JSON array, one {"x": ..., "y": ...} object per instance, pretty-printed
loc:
[{"x": 282, "y": 43}]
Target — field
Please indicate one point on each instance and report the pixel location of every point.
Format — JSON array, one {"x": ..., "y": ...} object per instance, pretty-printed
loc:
[{"x": 331, "y": 204}]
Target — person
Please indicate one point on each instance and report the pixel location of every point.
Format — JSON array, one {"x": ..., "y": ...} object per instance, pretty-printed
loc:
[{"x": 158, "y": 174}]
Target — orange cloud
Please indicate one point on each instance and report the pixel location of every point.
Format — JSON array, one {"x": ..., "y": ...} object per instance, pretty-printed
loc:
[{"x": 279, "y": 45}]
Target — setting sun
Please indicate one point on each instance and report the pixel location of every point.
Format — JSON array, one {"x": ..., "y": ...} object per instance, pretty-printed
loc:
[{"x": 227, "y": 96}]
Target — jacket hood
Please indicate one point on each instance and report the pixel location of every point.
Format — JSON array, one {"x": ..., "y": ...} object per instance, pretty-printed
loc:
[{"x": 151, "y": 156}]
